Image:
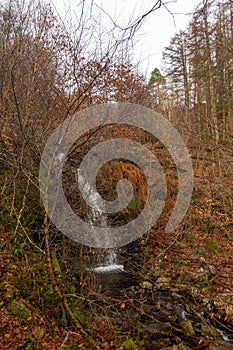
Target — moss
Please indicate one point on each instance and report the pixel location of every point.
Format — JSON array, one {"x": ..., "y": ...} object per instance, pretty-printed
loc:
[
  {"x": 40, "y": 332},
  {"x": 129, "y": 345},
  {"x": 29, "y": 343},
  {"x": 48, "y": 296},
  {"x": 18, "y": 309},
  {"x": 7, "y": 219},
  {"x": 209, "y": 226},
  {"x": 56, "y": 265},
  {"x": 211, "y": 246},
  {"x": 11, "y": 291}
]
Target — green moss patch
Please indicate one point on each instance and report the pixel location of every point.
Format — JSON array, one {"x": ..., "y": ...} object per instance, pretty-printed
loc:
[{"x": 18, "y": 309}]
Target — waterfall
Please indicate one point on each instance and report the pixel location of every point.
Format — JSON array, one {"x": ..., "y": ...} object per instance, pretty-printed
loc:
[{"x": 97, "y": 217}]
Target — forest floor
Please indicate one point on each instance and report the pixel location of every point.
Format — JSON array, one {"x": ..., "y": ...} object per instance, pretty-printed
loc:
[
  {"x": 184, "y": 302},
  {"x": 181, "y": 297}
]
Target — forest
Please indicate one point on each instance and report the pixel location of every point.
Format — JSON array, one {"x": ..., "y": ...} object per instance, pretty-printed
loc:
[{"x": 170, "y": 291}]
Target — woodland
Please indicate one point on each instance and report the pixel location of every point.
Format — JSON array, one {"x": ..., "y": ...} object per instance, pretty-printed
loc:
[{"x": 176, "y": 292}]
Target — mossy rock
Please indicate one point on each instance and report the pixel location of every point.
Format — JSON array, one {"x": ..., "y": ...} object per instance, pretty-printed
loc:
[{"x": 18, "y": 309}]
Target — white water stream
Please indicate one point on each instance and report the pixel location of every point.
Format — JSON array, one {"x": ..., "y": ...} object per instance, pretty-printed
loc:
[{"x": 97, "y": 217}]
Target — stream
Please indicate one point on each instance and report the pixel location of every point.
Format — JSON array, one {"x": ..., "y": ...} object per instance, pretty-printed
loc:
[{"x": 160, "y": 311}]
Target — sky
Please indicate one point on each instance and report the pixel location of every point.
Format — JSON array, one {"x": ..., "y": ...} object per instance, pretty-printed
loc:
[
  {"x": 158, "y": 28},
  {"x": 156, "y": 31}
]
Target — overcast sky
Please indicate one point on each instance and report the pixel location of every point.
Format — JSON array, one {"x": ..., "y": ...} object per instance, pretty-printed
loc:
[
  {"x": 155, "y": 32},
  {"x": 158, "y": 28}
]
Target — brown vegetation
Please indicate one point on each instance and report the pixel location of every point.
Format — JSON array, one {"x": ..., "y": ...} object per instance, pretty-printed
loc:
[{"x": 49, "y": 298}]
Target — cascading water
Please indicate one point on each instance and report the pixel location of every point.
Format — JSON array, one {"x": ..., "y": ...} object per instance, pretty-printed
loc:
[{"x": 97, "y": 217}]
